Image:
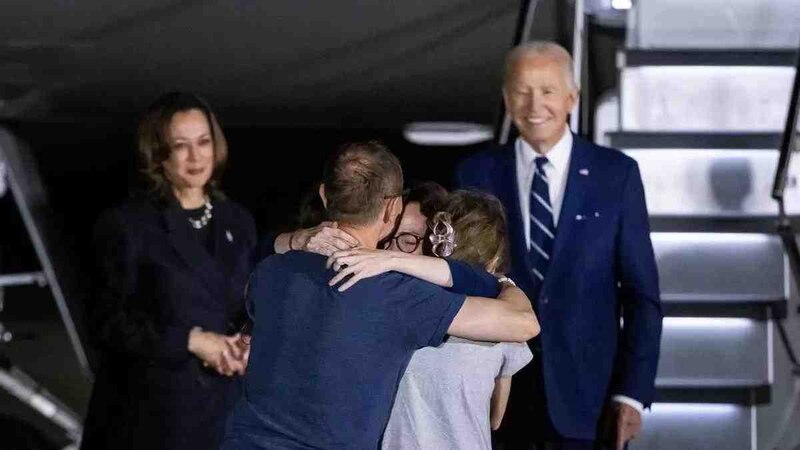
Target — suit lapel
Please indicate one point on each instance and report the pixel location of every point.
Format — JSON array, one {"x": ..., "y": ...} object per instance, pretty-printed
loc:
[
  {"x": 577, "y": 184},
  {"x": 192, "y": 253},
  {"x": 225, "y": 239}
]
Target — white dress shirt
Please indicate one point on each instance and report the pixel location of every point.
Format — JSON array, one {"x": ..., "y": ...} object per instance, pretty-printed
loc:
[{"x": 556, "y": 169}]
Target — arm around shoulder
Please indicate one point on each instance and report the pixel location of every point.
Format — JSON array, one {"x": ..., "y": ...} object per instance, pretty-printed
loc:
[{"x": 510, "y": 318}]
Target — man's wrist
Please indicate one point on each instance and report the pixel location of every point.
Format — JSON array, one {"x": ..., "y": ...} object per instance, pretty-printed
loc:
[
  {"x": 633, "y": 403},
  {"x": 505, "y": 281},
  {"x": 281, "y": 244}
]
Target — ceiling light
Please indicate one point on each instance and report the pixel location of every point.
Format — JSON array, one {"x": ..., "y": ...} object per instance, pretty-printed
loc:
[
  {"x": 621, "y": 4},
  {"x": 446, "y": 133}
]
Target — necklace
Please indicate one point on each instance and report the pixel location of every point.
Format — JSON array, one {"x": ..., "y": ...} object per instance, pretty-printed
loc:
[{"x": 205, "y": 218}]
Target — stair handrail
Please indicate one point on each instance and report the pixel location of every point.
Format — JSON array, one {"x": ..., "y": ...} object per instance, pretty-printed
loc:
[
  {"x": 521, "y": 34},
  {"x": 789, "y": 144},
  {"x": 784, "y": 225}
]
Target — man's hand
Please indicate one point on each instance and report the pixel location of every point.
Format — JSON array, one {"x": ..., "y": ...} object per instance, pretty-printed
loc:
[
  {"x": 324, "y": 239},
  {"x": 623, "y": 423},
  {"x": 239, "y": 346},
  {"x": 360, "y": 263}
]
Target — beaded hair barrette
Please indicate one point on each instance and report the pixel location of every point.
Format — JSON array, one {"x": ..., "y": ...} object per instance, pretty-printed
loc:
[{"x": 442, "y": 235}]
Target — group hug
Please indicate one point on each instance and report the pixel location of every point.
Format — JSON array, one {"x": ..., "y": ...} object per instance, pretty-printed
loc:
[{"x": 518, "y": 310}]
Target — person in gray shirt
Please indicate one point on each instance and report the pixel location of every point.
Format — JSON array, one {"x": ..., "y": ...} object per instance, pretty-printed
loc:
[{"x": 453, "y": 395}]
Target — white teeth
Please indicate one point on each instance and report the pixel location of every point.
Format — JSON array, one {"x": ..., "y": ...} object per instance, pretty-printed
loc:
[{"x": 536, "y": 121}]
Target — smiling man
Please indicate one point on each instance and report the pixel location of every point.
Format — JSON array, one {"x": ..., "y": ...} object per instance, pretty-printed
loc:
[{"x": 581, "y": 251}]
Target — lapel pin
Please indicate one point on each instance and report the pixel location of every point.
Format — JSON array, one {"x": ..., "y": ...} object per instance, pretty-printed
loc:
[
  {"x": 228, "y": 235},
  {"x": 579, "y": 217},
  {"x": 584, "y": 172},
  {"x": 596, "y": 214}
]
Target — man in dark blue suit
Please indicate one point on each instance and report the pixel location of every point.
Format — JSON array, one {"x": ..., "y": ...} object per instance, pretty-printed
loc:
[{"x": 581, "y": 250}]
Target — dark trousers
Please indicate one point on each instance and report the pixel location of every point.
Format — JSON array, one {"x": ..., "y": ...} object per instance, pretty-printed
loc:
[{"x": 527, "y": 424}]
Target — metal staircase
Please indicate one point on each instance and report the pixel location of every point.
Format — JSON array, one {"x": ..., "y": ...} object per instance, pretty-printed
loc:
[
  {"x": 703, "y": 95},
  {"x": 40, "y": 332}
]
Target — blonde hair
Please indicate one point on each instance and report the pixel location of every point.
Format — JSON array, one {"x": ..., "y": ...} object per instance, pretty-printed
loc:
[{"x": 480, "y": 227}]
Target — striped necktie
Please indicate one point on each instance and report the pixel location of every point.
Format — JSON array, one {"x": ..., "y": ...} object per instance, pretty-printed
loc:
[{"x": 542, "y": 227}]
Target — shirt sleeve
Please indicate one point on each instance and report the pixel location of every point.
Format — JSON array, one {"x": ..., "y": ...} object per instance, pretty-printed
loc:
[
  {"x": 516, "y": 355},
  {"x": 428, "y": 312},
  {"x": 635, "y": 404},
  {"x": 472, "y": 280}
]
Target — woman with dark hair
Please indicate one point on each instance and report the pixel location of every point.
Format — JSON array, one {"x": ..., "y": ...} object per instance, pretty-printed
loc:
[
  {"x": 318, "y": 235},
  {"x": 171, "y": 270},
  {"x": 450, "y": 396},
  {"x": 420, "y": 201}
]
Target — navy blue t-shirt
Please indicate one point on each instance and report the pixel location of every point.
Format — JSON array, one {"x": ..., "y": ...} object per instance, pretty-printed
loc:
[{"x": 325, "y": 365}]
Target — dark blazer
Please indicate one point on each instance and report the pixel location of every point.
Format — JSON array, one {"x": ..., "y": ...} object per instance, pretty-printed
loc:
[
  {"x": 602, "y": 267},
  {"x": 155, "y": 281}
]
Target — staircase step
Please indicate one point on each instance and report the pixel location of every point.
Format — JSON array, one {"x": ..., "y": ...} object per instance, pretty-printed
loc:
[
  {"x": 642, "y": 140},
  {"x": 712, "y": 352},
  {"x": 734, "y": 184},
  {"x": 714, "y": 24},
  {"x": 713, "y": 271},
  {"x": 705, "y": 98},
  {"x": 670, "y": 426},
  {"x": 707, "y": 57},
  {"x": 752, "y": 307},
  {"x": 739, "y": 392},
  {"x": 740, "y": 224},
  {"x": 696, "y": 427}
]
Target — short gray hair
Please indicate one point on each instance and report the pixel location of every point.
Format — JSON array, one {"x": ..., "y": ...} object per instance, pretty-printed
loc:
[{"x": 542, "y": 48}]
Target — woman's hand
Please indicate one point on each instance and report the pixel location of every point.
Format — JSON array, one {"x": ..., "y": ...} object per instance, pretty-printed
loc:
[
  {"x": 242, "y": 345},
  {"x": 223, "y": 353},
  {"x": 324, "y": 239},
  {"x": 360, "y": 263}
]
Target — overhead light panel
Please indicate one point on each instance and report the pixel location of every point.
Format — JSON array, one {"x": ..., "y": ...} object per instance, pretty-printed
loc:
[
  {"x": 621, "y": 4},
  {"x": 447, "y": 133}
]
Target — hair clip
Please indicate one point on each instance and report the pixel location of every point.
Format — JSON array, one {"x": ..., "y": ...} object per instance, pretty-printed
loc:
[{"x": 442, "y": 235}]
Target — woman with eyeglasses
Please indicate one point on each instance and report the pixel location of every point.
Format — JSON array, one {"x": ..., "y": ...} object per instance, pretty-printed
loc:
[
  {"x": 450, "y": 396},
  {"x": 318, "y": 235},
  {"x": 421, "y": 201}
]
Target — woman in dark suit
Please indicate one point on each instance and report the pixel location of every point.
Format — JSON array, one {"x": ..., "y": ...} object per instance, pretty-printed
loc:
[{"x": 172, "y": 267}]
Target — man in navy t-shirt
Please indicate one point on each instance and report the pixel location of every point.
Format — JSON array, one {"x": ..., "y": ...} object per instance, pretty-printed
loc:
[{"x": 325, "y": 365}]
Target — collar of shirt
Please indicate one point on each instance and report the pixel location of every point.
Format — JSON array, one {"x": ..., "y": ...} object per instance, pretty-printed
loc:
[
  {"x": 557, "y": 157},
  {"x": 556, "y": 169}
]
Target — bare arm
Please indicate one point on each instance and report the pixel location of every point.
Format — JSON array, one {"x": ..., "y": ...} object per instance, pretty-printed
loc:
[
  {"x": 324, "y": 239},
  {"x": 502, "y": 389},
  {"x": 365, "y": 262},
  {"x": 510, "y": 318}
]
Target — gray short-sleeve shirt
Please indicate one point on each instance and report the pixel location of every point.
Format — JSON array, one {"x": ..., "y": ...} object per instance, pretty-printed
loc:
[{"x": 444, "y": 397}]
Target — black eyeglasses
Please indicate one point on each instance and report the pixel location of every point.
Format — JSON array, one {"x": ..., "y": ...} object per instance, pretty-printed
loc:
[{"x": 405, "y": 242}]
